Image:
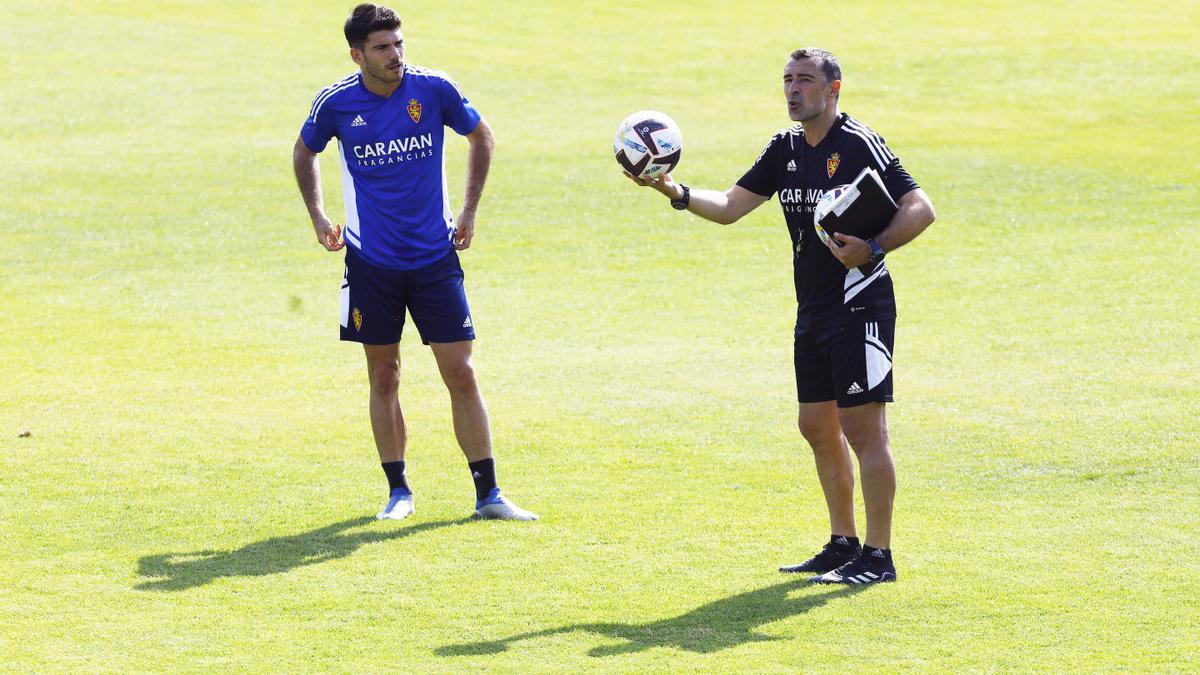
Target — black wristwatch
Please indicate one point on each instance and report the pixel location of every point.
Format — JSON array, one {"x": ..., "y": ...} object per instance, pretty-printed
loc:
[
  {"x": 682, "y": 203},
  {"x": 876, "y": 251}
]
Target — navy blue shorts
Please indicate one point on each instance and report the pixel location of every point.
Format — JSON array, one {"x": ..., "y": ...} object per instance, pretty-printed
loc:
[
  {"x": 374, "y": 299},
  {"x": 851, "y": 364}
]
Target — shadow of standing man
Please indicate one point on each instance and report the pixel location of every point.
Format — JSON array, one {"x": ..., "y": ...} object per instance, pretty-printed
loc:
[
  {"x": 180, "y": 571},
  {"x": 718, "y": 625}
]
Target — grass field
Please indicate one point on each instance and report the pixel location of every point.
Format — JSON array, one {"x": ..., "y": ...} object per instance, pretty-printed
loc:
[{"x": 195, "y": 488}]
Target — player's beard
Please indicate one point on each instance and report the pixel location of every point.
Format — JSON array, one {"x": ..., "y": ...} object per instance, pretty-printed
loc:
[
  {"x": 385, "y": 74},
  {"x": 805, "y": 113}
]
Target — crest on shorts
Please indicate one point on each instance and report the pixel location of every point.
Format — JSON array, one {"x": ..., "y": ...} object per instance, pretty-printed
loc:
[
  {"x": 414, "y": 109},
  {"x": 357, "y": 316},
  {"x": 831, "y": 164}
]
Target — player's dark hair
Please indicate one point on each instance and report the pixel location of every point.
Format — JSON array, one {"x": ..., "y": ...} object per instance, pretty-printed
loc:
[
  {"x": 366, "y": 19},
  {"x": 827, "y": 61}
]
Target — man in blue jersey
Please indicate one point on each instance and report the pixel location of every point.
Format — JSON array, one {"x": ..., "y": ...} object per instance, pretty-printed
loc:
[
  {"x": 846, "y": 309},
  {"x": 401, "y": 238}
]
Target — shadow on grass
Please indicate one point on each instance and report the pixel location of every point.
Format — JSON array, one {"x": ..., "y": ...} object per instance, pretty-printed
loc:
[
  {"x": 718, "y": 625},
  {"x": 180, "y": 571}
]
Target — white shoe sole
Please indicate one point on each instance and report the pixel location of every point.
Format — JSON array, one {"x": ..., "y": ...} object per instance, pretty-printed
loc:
[
  {"x": 504, "y": 512},
  {"x": 399, "y": 513}
]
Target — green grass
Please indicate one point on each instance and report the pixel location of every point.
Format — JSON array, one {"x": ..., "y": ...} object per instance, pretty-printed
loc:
[{"x": 194, "y": 491}]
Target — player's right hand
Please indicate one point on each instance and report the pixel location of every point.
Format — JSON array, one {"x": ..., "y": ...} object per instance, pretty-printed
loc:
[
  {"x": 664, "y": 183},
  {"x": 329, "y": 235}
]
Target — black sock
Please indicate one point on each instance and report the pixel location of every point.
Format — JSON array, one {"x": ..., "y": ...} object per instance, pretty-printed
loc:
[
  {"x": 843, "y": 540},
  {"x": 881, "y": 555},
  {"x": 484, "y": 474},
  {"x": 395, "y": 476}
]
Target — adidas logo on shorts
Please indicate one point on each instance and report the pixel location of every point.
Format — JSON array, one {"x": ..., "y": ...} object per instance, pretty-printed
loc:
[
  {"x": 854, "y": 389},
  {"x": 467, "y": 323}
]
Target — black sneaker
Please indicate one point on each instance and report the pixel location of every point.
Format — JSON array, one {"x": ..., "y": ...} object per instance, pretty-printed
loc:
[
  {"x": 839, "y": 551},
  {"x": 872, "y": 566}
]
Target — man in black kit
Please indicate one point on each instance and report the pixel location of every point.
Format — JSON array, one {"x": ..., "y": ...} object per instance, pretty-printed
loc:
[{"x": 846, "y": 315}]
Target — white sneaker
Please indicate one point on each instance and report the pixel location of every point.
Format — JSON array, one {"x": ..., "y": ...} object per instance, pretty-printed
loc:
[
  {"x": 398, "y": 507},
  {"x": 496, "y": 507}
]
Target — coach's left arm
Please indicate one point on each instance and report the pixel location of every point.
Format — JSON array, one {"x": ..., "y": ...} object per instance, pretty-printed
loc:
[
  {"x": 479, "y": 160},
  {"x": 914, "y": 215}
]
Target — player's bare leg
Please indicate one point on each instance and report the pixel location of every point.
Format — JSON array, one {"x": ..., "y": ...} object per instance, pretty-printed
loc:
[
  {"x": 820, "y": 426},
  {"x": 471, "y": 425},
  {"x": 473, "y": 430},
  {"x": 387, "y": 424},
  {"x": 865, "y": 427},
  {"x": 387, "y": 420}
]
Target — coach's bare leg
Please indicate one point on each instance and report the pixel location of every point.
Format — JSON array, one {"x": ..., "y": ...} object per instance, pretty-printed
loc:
[
  {"x": 471, "y": 426},
  {"x": 820, "y": 426},
  {"x": 387, "y": 420},
  {"x": 865, "y": 426}
]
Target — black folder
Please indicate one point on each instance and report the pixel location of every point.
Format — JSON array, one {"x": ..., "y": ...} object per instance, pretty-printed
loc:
[{"x": 863, "y": 210}]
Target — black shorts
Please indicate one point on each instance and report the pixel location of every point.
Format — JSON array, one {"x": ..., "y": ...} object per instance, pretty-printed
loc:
[
  {"x": 850, "y": 363},
  {"x": 374, "y": 299}
]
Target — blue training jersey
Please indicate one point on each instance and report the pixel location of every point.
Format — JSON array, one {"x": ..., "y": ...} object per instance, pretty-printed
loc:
[{"x": 393, "y": 168}]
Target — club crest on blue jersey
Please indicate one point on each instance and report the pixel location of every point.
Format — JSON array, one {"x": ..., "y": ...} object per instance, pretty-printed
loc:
[{"x": 414, "y": 109}]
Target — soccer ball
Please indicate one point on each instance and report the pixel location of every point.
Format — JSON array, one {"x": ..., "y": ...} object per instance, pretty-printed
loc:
[
  {"x": 648, "y": 144},
  {"x": 822, "y": 209}
]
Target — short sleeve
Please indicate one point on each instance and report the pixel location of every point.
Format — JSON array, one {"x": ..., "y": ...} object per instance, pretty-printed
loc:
[
  {"x": 458, "y": 113},
  {"x": 762, "y": 179},
  {"x": 897, "y": 181},
  {"x": 319, "y": 127},
  {"x": 879, "y": 156}
]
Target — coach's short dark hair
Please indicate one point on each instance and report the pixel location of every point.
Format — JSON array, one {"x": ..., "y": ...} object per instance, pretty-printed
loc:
[
  {"x": 366, "y": 19},
  {"x": 828, "y": 62}
]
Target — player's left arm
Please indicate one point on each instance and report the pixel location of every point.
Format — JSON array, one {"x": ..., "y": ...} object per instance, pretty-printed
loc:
[
  {"x": 915, "y": 213},
  {"x": 479, "y": 160}
]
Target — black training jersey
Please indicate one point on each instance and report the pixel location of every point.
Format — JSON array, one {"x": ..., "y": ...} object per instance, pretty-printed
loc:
[{"x": 826, "y": 291}]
